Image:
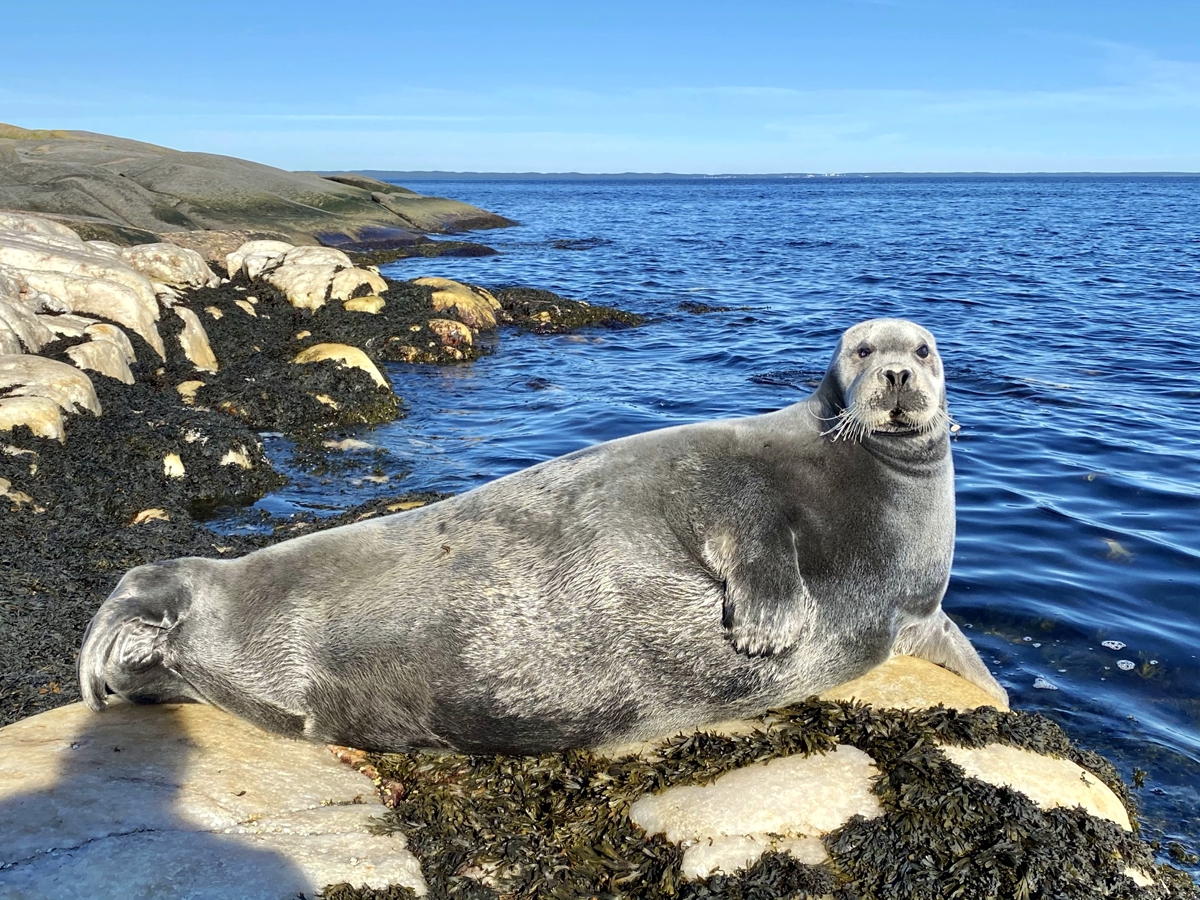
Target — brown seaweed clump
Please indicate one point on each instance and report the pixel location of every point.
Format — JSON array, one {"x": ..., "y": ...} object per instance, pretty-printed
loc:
[{"x": 557, "y": 825}]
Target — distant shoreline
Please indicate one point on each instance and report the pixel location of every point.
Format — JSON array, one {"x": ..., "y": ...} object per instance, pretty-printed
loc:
[{"x": 395, "y": 175}]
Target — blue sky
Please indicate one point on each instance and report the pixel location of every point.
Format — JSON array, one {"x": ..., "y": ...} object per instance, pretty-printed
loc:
[{"x": 742, "y": 86}]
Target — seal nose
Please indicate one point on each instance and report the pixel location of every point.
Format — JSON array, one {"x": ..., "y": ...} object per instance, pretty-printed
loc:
[{"x": 897, "y": 377}]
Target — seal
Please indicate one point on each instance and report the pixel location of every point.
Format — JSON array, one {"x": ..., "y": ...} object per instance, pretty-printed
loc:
[{"x": 631, "y": 589}]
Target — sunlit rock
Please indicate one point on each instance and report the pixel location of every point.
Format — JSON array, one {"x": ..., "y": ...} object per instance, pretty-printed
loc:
[
  {"x": 102, "y": 331},
  {"x": 347, "y": 356},
  {"x": 183, "y": 801},
  {"x": 21, "y": 321},
  {"x": 103, "y": 356},
  {"x": 373, "y": 305},
  {"x": 194, "y": 340},
  {"x": 265, "y": 252},
  {"x": 30, "y": 224},
  {"x": 173, "y": 466},
  {"x": 347, "y": 281},
  {"x": 1047, "y": 781},
  {"x": 451, "y": 333},
  {"x": 40, "y": 414},
  {"x": 782, "y": 799},
  {"x": 305, "y": 285},
  {"x": 34, "y": 376},
  {"x": 473, "y": 305},
  {"x": 175, "y": 266},
  {"x": 905, "y": 682},
  {"x": 317, "y": 256}
]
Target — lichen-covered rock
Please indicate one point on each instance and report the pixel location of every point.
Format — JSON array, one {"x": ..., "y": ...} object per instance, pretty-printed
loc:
[
  {"x": 194, "y": 340},
  {"x": 174, "y": 266},
  {"x": 345, "y": 355}
]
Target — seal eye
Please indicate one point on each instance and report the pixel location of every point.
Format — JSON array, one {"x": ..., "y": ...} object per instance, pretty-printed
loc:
[
  {"x": 864, "y": 352},
  {"x": 923, "y": 351}
]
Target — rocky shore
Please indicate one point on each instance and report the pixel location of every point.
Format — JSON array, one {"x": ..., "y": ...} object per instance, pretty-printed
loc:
[{"x": 135, "y": 384}]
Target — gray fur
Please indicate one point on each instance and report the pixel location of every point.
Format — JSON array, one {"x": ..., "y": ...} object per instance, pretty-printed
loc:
[{"x": 634, "y": 588}]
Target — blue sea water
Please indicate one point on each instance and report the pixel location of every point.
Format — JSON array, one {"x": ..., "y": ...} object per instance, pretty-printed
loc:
[{"x": 1068, "y": 313}]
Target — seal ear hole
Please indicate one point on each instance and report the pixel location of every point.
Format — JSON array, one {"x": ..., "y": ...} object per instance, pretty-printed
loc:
[{"x": 923, "y": 351}]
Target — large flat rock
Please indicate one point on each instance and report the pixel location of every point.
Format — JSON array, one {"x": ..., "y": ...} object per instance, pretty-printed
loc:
[
  {"x": 101, "y": 179},
  {"x": 182, "y": 801}
]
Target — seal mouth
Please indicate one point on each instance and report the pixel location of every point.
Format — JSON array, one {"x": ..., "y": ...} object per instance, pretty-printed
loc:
[{"x": 889, "y": 417}]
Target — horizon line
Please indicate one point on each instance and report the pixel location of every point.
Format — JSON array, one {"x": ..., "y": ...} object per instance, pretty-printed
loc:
[{"x": 883, "y": 174}]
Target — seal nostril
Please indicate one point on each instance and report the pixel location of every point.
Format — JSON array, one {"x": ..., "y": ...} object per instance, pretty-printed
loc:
[
  {"x": 890, "y": 376},
  {"x": 905, "y": 374}
]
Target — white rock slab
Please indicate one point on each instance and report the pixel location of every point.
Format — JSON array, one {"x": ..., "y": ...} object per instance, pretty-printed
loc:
[
  {"x": 34, "y": 376},
  {"x": 905, "y": 682},
  {"x": 67, "y": 325},
  {"x": 103, "y": 356},
  {"x": 194, "y": 340},
  {"x": 1046, "y": 781},
  {"x": 11, "y": 221},
  {"x": 18, "y": 318},
  {"x": 317, "y": 256},
  {"x": 102, "y": 297},
  {"x": 789, "y": 798},
  {"x": 39, "y": 253},
  {"x": 736, "y": 852},
  {"x": 182, "y": 801},
  {"x": 102, "y": 331},
  {"x": 41, "y": 414},
  {"x": 305, "y": 285},
  {"x": 265, "y": 251},
  {"x": 174, "y": 266}
]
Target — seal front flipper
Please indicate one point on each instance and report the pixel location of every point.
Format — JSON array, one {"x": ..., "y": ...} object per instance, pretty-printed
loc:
[
  {"x": 767, "y": 608},
  {"x": 937, "y": 639},
  {"x": 124, "y": 646}
]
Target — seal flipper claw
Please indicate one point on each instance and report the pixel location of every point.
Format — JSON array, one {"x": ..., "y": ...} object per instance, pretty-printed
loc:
[
  {"x": 767, "y": 608},
  {"x": 938, "y": 640}
]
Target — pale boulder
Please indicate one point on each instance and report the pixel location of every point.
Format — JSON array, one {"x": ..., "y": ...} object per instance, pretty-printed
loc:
[
  {"x": 905, "y": 682},
  {"x": 102, "y": 331},
  {"x": 68, "y": 325},
  {"x": 771, "y": 803},
  {"x": 194, "y": 340},
  {"x": 1047, "y": 781},
  {"x": 175, "y": 266},
  {"x": 41, "y": 414},
  {"x": 317, "y": 256},
  {"x": 347, "y": 281},
  {"x": 347, "y": 356},
  {"x": 305, "y": 285},
  {"x": 451, "y": 333},
  {"x": 34, "y": 376},
  {"x": 475, "y": 306},
  {"x": 30, "y": 224},
  {"x": 33, "y": 253},
  {"x": 21, "y": 321},
  {"x": 372, "y": 305},
  {"x": 267, "y": 250},
  {"x": 183, "y": 801},
  {"x": 103, "y": 356},
  {"x": 101, "y": 297}
]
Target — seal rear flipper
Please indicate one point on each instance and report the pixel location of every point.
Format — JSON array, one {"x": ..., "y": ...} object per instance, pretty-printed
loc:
[
  {"x": 938, "y": 640},
  {"x": 125, "y": 642}
]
